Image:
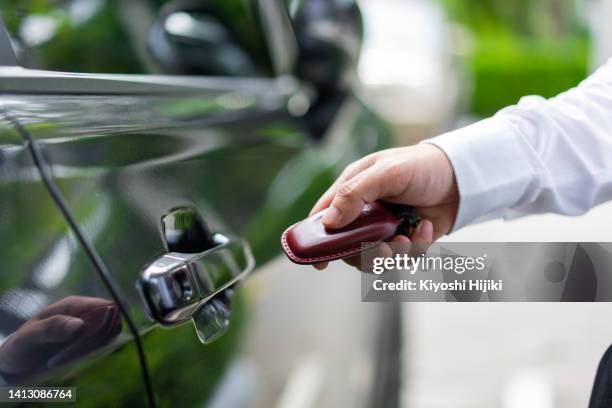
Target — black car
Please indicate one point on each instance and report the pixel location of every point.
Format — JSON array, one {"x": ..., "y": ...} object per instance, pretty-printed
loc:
[{"x": 151, "y": 153}]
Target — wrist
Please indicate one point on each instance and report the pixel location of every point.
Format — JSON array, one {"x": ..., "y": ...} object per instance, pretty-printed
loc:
[
  {"x": 446, "y": 175},
  {"x": 491, "y": 167}
]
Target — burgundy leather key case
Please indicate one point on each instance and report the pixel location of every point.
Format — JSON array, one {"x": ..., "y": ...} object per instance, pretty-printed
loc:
[{"x": 309, "y": 242}]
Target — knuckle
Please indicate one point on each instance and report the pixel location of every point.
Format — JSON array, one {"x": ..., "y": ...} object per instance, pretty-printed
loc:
[
  {"x": 394, "y": 168},
  {"x": 374, "y": 157},
  {"x": 346, "y": 190},
  {"x": 350, "y": 168},
  {"x": 394, "y": 173},
  {"x": 54, "y": 321}
]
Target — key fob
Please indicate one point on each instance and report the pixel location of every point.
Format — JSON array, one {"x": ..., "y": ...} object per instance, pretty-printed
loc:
[{"x": 309, "y": 242}]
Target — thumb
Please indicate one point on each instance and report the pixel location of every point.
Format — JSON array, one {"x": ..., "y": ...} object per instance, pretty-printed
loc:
[
  {"x": 352, "y": 195},
  {"x": 54, "y": 329}
]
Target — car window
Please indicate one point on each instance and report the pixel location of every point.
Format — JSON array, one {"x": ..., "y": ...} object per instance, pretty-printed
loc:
[
  {"x": 75, "y": 36},
  {"x": 111, "y": 36}
]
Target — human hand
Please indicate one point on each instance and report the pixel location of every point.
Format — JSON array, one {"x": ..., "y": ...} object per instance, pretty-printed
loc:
[
  {"x": 420, "y": 176},
  {"x": 60, "y": 332}
]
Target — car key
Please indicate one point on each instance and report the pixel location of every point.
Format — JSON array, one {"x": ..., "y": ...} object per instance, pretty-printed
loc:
[{"x": 309, "y": 242}]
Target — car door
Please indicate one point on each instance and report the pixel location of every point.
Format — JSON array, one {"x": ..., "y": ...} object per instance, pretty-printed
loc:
[
  {"x": 57, "y": 317},
  {"x": 172, "y": 188}
]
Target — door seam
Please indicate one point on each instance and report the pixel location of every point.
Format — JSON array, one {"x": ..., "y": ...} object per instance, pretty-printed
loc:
[{"x": 92, "y": 253}]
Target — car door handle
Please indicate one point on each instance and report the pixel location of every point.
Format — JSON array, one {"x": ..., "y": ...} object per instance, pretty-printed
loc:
[{"x": 177, "y": 286}]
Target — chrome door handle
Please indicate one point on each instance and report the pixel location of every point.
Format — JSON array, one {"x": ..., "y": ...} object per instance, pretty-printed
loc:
[{"x": 177, "y": 287}]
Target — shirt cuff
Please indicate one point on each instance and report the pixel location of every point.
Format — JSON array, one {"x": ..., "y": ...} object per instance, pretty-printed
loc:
[{"x": 492, "y": 164}]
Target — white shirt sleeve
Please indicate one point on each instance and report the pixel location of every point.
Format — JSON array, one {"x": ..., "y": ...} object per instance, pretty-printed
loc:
[{"x": 537, "y": 156}]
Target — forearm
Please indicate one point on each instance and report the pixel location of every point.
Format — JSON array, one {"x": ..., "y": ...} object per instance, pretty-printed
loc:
[{"x": 537, "y": 156}]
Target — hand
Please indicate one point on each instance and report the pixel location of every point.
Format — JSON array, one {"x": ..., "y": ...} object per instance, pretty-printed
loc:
[
  {"x": 44, "y": 341},
  {"x": 421, "y": 176}
]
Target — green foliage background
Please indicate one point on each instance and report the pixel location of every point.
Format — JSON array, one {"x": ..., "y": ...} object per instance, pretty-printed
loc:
[{"x": 522, "y": 47}]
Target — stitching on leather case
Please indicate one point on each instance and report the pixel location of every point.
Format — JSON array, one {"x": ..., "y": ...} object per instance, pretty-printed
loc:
[{"x": 332, "y": 257}]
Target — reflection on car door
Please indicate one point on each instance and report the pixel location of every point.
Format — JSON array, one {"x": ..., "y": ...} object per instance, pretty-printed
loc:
[
  {"x": 125, "y": 152},
  {"x": 57, "y": 318}
]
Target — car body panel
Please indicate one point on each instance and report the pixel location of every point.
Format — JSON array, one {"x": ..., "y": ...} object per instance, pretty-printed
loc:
[
  {"x": 46, "y": 277},
  {"x": 125, "y": 150},
  {"x": 122, "y": 161}
]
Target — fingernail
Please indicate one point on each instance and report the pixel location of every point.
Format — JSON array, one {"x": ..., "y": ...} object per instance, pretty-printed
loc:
[
  {"x": 72, "y": 326},
  {"x": 426, "y": 229},
  {"x": 331, "y": 216},
  {"x": 417, "y": 229}
]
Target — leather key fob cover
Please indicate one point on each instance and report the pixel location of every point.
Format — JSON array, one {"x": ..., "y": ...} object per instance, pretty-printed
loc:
[{"x": 309, "y": 242}]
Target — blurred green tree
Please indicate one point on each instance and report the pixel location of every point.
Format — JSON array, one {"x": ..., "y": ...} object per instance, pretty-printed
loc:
[{"x": 522, "y": 47}]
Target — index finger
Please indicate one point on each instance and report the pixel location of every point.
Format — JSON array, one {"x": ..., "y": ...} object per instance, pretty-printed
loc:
[
  {"x": 349, "y": 172},
  {"x": 73, "y": 306}
]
